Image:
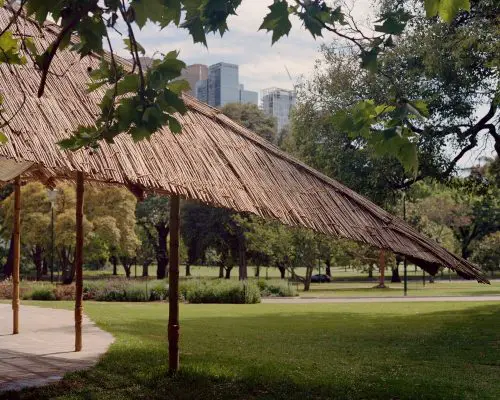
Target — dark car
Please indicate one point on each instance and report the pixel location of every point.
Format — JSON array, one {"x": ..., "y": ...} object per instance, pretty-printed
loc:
[{"x": 320, "y": 278}]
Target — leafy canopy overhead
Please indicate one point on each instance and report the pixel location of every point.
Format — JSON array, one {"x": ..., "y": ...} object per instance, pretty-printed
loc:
[{"x": 139, "y": 102}]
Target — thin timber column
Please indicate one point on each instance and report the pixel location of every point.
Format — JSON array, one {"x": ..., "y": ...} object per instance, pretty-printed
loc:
[
  {"x": 79, "y": 262},
  {"x": 173, "y": 286},
  {"x": 16, "y": 237}
]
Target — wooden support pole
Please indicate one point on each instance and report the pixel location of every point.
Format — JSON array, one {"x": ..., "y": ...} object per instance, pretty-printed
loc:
[
  {"x": 173, "y": 286},
  {"x": 16, "y": 237},
  {"x": 79, "y": 262}
]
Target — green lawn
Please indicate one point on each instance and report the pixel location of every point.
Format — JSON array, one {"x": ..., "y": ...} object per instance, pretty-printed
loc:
[
  {"x": 320, "y": 351},
  {"x": 415, "y": 288},
  {"x": 338, "y": 273}
]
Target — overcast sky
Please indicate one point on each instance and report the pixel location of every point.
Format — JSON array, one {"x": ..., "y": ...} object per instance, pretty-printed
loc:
[{"x": 261, "y": 65}]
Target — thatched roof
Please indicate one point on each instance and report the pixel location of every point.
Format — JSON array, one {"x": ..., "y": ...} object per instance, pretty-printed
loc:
[{"x": 214, "y": 160}]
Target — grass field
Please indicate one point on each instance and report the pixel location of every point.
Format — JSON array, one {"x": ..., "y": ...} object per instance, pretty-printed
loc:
[
  {"x": 320, "y": 351},
  {"x": 415, "y": 288},
  {"x": 338, "y": 273}
]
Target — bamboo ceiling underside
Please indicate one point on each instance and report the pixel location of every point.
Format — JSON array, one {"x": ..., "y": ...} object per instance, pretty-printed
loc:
[{"x": 213, "y": 160}]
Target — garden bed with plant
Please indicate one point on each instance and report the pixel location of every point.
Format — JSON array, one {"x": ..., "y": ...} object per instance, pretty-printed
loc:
[{"x": 192, "y": 291}]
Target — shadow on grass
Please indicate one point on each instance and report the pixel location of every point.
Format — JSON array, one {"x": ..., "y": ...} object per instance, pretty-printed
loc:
[{"x": 322, "y": 355}]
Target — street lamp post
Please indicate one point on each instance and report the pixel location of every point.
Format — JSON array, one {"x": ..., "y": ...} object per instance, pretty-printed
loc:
[{"x": 52, "y": 195}]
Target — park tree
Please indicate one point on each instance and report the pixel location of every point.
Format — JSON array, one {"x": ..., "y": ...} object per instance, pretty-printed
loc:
[
  {"x": 113, "y": 209},
  {"x": 254, "y": 119},
  {"x": 270, "y": 243},
  {"x": 219, "y": 229},
  {"x": 35, "y": 223},
  {"x": 460, "y": 214},
  {"x": 145, "y": 252},
  {"x": 153, "y": 216},
  {"x": 487, "y": 252}
]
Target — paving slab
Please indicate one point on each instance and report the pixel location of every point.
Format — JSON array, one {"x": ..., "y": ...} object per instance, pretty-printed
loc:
[{"x": 43, "y": 351}]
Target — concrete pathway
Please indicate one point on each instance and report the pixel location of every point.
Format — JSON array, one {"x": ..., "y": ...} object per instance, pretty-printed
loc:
[
  {"x": 392, "y": 299},
  {"x": 43, "y": 351}
]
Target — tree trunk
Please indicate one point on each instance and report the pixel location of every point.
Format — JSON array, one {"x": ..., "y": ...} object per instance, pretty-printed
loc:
[
  {"x": 7, "y": 268},
  {"x": 370, "y": 271},
  {"x": 381, "y": 266},
  {"x": 242, "y": 258},
  {"x": 127, "y": 268},
  {"x": 228, "y": 272},
  {"x": 282, "y": 270},
  {"x": 161, "y": 253},
  {"x": 145, "y": 268},
  {"x": 307, "y": 279},
  {"x": 395, "y": 278},
  {"x": 37, "y": 257},
  {"x": 127, "y": 263},
  {"x": 67, "y": 267},
  {"x": 221, "y": 272},
  {"x": 45, "y": 267},
  {"x": 114, "y": 261},
  {"x": 188, "y": 269},
  {"x": 257, "y": 271},
  {"x": 328, "y": 270}
]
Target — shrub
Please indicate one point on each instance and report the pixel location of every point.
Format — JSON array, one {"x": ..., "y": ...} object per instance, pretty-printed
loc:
[
  {"x": 136, "y": 294},
  {"x": 279, "y": 289},
  {"x": 228, "y": 292},
  {"x": 6, "y": 289},
  {"x": 158, "y": 291},
  {"x": 64, "y": 292},
  {"x": 45, "y": 293},
  {"x": 111, "y": 291},
  {"x": 262, "y": 284}
]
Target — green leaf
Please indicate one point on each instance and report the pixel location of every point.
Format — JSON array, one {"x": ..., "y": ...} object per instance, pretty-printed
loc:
[
  {"x": 139, "y": 133},
  {"x": 173, "y": 124},
  {"x": 9, "y": 50},
  {"x": 196, "y": 30},
  {"x": 147, "y": 9},
  {"x": 214, "y": 14},
  {"x": 179, "y": 86},
  {"x": 446, "y": 9},
  {"x": 3, "y": 138},
  {"x": 369, "y": 59},
  {"x": 173, "y": 100},
  {"x": 420, "y": 108},
  {"x": 394, "y": 23},
  {"x": 314, "y": 18},
  {"x": 40, "y": 8},
  {"x": 130, "y": 83},
  {"x": 172, "y": 12},
  {"x": 408, "y": 157},
  {"x": 277, "y": 20},
  {"x": 128, "y": 46},
  {"x": 431, "y": 7}
]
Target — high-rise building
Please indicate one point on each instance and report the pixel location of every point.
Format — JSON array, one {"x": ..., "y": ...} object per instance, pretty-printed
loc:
[
  {"x": 278, "y": 103},
  {"x": 193, "y": 74},
  {"x": 222, "y": 87}
]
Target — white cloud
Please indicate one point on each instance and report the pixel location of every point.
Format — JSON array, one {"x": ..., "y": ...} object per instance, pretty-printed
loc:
[{"x": 261, "y": 65}]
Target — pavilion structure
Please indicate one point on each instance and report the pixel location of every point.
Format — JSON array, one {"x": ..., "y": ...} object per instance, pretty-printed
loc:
[{"x": 214, "y": 160}]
